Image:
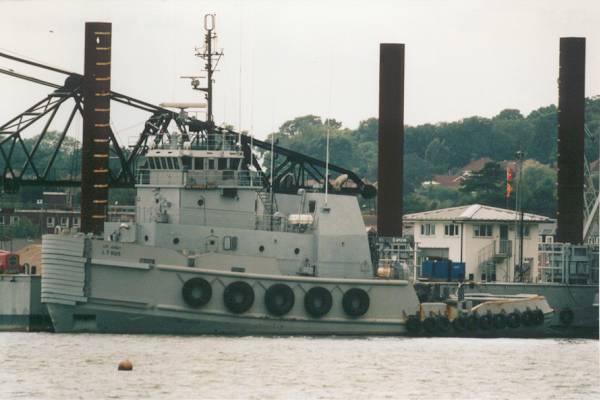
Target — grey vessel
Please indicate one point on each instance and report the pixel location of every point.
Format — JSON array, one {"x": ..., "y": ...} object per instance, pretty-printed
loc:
[{"x": 215, "y": 249}]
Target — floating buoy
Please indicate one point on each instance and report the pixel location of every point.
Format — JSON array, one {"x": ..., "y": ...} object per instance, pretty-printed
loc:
[{"x": 125, "y": 365}]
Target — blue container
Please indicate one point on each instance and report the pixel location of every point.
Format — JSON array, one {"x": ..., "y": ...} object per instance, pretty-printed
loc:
[{"x": 443, "y": 270}]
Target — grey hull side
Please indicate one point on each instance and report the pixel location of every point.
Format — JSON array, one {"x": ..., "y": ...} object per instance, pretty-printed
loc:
[
  {"x": 112, "y": 320},
  {"x": 577, "y": 298},
  {"x": 20, "y": 304}
]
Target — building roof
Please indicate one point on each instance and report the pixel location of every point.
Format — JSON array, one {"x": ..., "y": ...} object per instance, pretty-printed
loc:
[
  {"x": 448, "y": 180},
  {"x": 476, "y": 165},
  {"x": 473, "y": 212}
]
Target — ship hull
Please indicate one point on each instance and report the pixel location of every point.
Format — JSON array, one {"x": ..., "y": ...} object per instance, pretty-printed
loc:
[{"x": 106, "y": 295}]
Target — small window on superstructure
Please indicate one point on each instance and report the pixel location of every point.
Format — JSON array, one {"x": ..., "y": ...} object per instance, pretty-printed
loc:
[
  {"x": 186, "y": 162},
  {"x": 198, "y": 163},
  {"x": 170, "y": 162},
  {"x": 222, "y": 163},
  {"x": 163, "y": 163},
  {"x": 211, "y": 163},
  {"x": 234, "y": 163}
]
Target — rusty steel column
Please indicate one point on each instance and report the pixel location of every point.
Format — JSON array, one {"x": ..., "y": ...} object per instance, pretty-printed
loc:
[
  {"x": 96, "y": 125},
  {"x": 570, "y": 152},
  {"x": 391, "y": 140}
]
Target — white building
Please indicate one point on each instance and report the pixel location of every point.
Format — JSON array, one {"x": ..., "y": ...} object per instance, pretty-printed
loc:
[{"x": 485, "y": 238}]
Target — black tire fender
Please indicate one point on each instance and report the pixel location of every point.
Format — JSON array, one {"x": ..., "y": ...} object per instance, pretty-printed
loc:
[
  {"x": 317, "y": 301},
  {"x": 279, "y": 299},
  {"x": 355, "y": 302},
  {"x": 413, "y": 324},
  {"x": 238, "y": 297},
  {"x": 196, "y": 292}
]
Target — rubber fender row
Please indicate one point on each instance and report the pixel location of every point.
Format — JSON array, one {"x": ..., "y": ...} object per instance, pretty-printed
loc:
[
  {"x": 440, "y": 324},
  {"x": 279, "y": 298}
]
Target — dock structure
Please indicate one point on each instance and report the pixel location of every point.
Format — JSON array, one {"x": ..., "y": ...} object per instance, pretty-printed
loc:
[
  {"x": 96, "y": 126},
  {"x": 570, "y": 151},
  {"x": 391, "y": 140}
]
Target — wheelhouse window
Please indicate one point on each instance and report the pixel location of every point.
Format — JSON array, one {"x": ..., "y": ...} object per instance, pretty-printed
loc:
[
  {"x": 76, "y": 221},
  {"x": 234, "y": 163},
  {"x": 163, "y": 163},
  {"x": 186, "y": 162},
  {"x": 198, "y": 163},
  {"x": 482, "y": 230},
  {"x": 64, "y": 222},
  {"x": 170, "y": 162},
  {"x": 428, "y": 229},
  {"x": 151, "y": 163},
  {"x": 451, "y": 229},
  {"x": 50, "y": 222},
  {"x": 211, "y": 163},
  {"x": 222, "y": 163}
]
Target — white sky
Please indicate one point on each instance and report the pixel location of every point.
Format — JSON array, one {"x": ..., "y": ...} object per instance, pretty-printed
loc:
[{"x": 463, "y": 57}]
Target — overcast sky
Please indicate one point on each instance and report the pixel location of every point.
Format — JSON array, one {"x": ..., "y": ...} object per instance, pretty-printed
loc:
[{"x": 463, "y": 57}]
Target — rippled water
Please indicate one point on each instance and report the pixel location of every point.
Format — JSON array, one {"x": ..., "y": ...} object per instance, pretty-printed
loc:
[{"x": 60, "y": 366}]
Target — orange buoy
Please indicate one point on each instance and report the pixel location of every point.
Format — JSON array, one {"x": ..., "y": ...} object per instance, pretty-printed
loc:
[{"x": 125, "y": 365}]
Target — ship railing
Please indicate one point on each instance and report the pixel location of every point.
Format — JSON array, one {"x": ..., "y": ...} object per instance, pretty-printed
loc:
[
  {"x": 205, "y": 179},
  {"x": 224, "y": 178},
  {"x": 213, "y": 142}
]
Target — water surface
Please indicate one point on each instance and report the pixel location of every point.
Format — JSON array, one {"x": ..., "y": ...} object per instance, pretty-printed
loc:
[{"x": 62, "y": 366}]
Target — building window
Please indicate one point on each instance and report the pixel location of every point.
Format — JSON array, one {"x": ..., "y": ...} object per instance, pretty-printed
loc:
[
  {"x": 451, "y": 230},
  {"x": 427, "y": 229},
  {"x": 482, "y": 230},
  {"x": 50, "y": 222},
  {"x": 64, "y": 222},
  {"x": 76, "y": 221},
  {"x": 14, "y": 219},
  {"x": 525, "y": 231}
]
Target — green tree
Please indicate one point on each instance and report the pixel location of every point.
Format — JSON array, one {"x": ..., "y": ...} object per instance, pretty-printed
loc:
[{"x": 486, "y": 186}]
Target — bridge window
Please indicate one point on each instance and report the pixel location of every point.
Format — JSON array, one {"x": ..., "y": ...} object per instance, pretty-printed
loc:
[
  {"x": 186, "y": 162},
  {"x": 163, "y": 163},
  {"x": 222, "y": 163},
  {"x": 170, "y": 162},
  {"x": 175, "y": 163},
  {"x": 234, "y": 163},
  {"x": 211, "y": 163},
  {"x": 151, "y": 163},
  {"x": 199, "y": 163}
]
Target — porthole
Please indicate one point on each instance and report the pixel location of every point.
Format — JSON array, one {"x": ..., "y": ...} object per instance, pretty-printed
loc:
[
  {"x": 296, "y": 250},
  {"x": 175, "y": 240},
  {"x": 261, "y": 248},
  {"x": 200, "y": 203}
]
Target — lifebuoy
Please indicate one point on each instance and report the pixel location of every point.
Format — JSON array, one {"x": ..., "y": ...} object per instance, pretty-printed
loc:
[
  {"x": 317, "y": 301},
  {"x": 472, "y": 322},
  {"x": 500, "y": 321},
  {"x": 279, "y": 299},
  {"x": 196, "y": 292},
  {"x": 513, "y": 320},
  {"x": 459, "y": 323},
  {"x": 355, "y": 302},
  {"x": 527, "y": 318},
  {"x": 566, "y": 316},
  {"x": 538, "y": 317},
  {"x": 429, "y": 324},
  {"x": 443, "y": 324},
  {"x": 485, "y": 322},
  {"x": 238, "y": 297},
  {"x": 413, "y": 324}
]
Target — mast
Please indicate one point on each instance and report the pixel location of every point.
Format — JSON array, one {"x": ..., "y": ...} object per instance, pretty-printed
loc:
[{"x": 211, "y": 58}]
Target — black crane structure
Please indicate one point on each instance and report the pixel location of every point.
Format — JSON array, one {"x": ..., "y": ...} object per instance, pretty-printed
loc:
[{"x": 292, "y": 171}]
